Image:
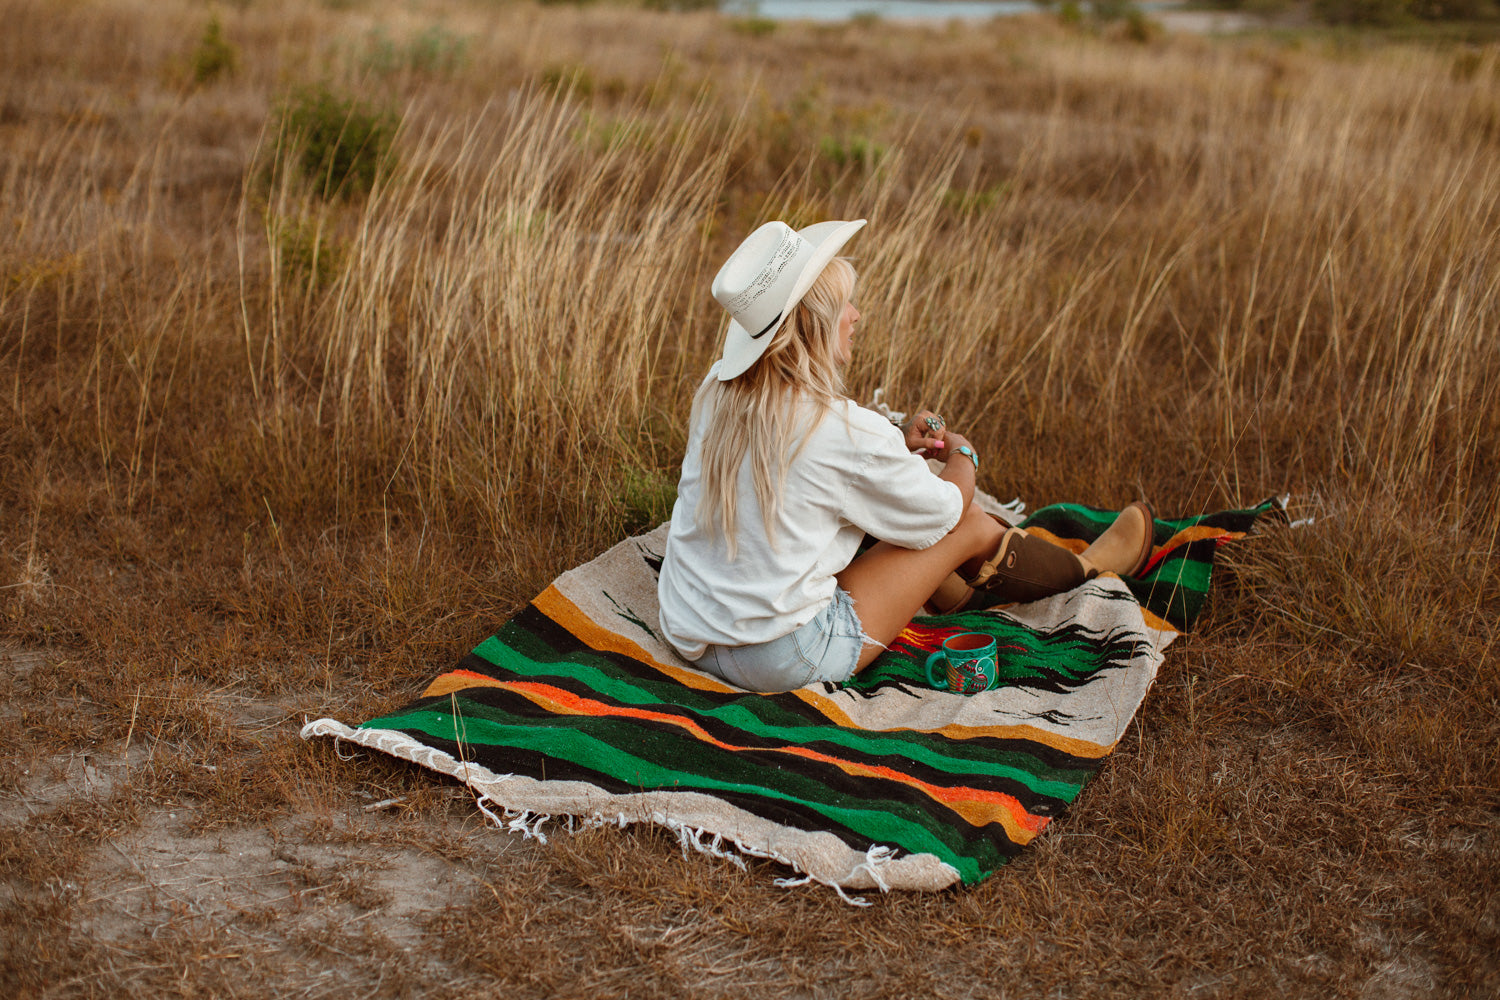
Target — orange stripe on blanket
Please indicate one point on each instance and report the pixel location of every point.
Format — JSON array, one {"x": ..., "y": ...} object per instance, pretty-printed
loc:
[
  {"x": 1074, "y": 545},
  {"x": 555, "y": 605},
  {"x": 1157, "y": 623},
  {"x": 1183, "y": 537},
  {"x": 825, "y": 707},
  {"x": 1186, "y": 535},
  {"x": 1193, "y": 534},
  {"x": 1196, "y": 532},
  {"x": 459, "y": 680},
  {"x": 975, "y": 805},
  {"x": 1067, "y": 744}
]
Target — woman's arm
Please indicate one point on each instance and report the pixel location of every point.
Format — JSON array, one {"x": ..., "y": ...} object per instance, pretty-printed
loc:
[
  {"x": 960, "y": 469},
  {"x": 927, "y": 435}
]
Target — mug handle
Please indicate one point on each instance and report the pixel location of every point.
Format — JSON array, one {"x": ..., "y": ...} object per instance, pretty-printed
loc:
[{"x": 941, "y": 683}]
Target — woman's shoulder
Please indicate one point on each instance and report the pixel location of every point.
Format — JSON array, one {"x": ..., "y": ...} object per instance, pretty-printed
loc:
[
  {"x": 862, "y": 428},
  {"x": 868, "y": 420}
]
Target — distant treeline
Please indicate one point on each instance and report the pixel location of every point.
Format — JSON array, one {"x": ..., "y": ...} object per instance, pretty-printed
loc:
[
  {"x": 1372, "y": 13},
  {"x": 1376, "y": 13}
]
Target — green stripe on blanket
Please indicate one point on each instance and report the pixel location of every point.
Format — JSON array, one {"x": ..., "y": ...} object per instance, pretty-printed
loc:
[{"x": 578, "y": 707}]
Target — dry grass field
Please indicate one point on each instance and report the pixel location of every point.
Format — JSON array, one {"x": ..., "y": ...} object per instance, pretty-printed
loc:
[{"x": 288, "y": 426}]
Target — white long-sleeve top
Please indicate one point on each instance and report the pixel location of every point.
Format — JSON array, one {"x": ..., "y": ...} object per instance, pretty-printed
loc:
[{"x": 854, "y": 476}]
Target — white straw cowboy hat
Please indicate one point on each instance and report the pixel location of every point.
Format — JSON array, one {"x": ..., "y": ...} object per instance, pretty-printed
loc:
[{"x": 762, "y": 282}]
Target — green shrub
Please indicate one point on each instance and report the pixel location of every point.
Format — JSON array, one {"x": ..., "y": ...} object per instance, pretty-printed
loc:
[
  {"x": 344, "y": 146},
  {"x": 645, "y": 498},
  {"x": 435, "y": 51},
  {"x": 968, "y": 202},
  {"x": 1454, "y": 10},
  {"x": 306, "y": 257},
  {"x": 755, "y": 27},
  {"x": 214, "y": 57},
  {"x": 1268, "y": 9},
  {"x": 853, "y": 151},
  {"x": 680, "y": 5},
  {"x": 1466, "y": 63},
  {"x": 1108, "y": 11},
  {"x": 607, "y": 132},
  {"x": 575, "y": 80},
  {"x": 1372, "y": 13},
  {"x": 1138, "y": 27}
]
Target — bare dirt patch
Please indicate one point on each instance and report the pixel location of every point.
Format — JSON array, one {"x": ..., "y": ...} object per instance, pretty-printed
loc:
[{"x": 323, "y": 899}]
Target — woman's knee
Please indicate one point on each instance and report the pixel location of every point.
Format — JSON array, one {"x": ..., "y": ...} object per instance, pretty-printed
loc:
[{"x": 980, "y": 530}]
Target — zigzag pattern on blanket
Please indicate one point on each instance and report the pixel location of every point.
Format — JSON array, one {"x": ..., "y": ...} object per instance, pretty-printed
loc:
[
  {"x": 619, "y": 725},
  {"x": 580, "y": 696}
]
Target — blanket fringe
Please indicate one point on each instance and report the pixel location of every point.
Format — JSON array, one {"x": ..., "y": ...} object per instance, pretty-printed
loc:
[
  {"x": 692, "y": 837},
  {"x": 875, "y": 857},
  {"x": 879, "y": 405},
  {"x": 529, "y": 823},
  {"x": 1301, "y": 522}
]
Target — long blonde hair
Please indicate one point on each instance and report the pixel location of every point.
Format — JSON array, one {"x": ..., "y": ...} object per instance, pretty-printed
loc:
[{"x": 762, "y": 412}]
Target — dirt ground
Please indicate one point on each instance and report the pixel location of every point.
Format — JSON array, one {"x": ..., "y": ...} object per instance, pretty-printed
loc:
[
  {"x": 370, "y": 872},
  {"x": 329, "y": 899}
]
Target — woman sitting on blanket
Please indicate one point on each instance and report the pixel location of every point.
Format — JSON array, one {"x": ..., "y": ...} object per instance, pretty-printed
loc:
[{"x": 784, "y": 476}]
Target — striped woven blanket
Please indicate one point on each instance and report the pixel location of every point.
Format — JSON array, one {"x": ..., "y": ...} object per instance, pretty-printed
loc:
[{"x": 578, "y": 708}]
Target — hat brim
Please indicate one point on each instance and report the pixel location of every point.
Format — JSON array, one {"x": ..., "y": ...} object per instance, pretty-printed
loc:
[{"x": 741, "y": 350}]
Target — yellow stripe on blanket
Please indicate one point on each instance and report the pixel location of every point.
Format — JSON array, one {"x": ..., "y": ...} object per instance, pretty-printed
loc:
[{"x": 555, "y": 605}]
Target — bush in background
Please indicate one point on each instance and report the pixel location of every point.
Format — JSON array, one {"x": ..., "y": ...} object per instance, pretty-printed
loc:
[
  {"x": 214, "y": 57},
  {"x": 344, "y": 145},
  {"x": 435, "y": 51}
]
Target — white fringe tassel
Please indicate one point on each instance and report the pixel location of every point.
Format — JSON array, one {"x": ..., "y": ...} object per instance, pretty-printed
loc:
[{"x": 529, "y": 823}]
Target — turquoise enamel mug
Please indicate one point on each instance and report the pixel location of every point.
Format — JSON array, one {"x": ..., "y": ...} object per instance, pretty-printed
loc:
[{"x": 964, "y": 663}]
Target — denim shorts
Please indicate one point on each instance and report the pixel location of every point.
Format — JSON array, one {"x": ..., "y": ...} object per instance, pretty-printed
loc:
[{"x": 825, "y": 649}]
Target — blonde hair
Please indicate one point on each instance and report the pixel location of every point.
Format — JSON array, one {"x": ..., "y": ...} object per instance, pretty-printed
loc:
[{"x": 761, "y": 413}]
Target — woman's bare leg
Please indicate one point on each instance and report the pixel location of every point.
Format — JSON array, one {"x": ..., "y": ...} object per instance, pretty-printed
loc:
[{"x": 889, "y": 583}]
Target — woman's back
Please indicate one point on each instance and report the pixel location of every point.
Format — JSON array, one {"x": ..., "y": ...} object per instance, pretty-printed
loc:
[{"x": 852, "y": 476}]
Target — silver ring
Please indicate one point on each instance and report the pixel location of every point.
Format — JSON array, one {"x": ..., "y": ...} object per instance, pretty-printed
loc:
[{"x": 935, "y": 423}]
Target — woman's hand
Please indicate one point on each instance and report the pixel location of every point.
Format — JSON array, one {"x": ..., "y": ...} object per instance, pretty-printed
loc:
[
  {"x": 926, "y": 433},
  {"x": 952, "y": 441}
]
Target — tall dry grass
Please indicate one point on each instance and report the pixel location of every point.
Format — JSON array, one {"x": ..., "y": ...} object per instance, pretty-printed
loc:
[
  {"x": 1283, "y": 260},
  {"x": 267, "y": 441},
  {"x": 506, "y": 308}
]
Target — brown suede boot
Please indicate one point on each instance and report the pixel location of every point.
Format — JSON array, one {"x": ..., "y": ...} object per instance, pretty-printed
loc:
[
  {"x": 1027, "y": 568},
  {"x": 1125, "y": 546},
  {"x": 952, "y": 594}
]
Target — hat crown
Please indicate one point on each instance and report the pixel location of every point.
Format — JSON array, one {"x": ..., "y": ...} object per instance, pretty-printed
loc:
[
  {"x": 765, "y": 277},
  {"x": 756, "y": 282}
]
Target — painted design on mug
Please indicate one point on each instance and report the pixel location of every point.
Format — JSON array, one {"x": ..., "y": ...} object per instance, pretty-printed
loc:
[{"x": 971, "y": 675}]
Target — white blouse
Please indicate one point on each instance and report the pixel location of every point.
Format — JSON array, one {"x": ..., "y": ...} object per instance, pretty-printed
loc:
[{"x": 854, "y": 477}]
